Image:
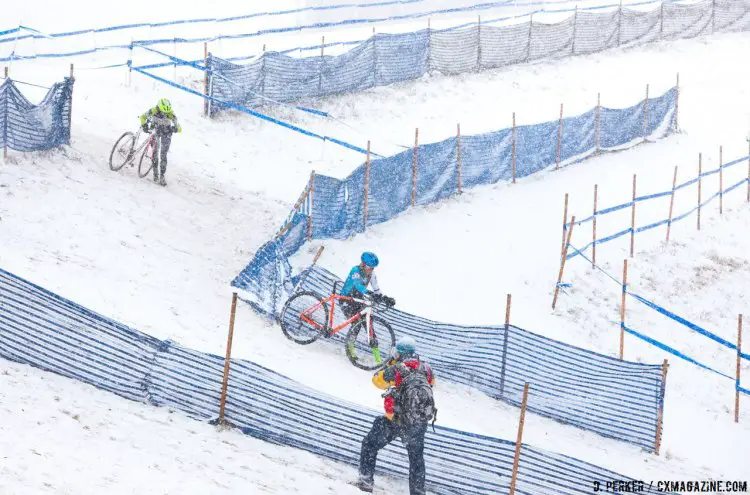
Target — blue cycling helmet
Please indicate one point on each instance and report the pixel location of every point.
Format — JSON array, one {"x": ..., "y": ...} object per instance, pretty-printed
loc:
[
  {"x": 370, "y": 259},
  {"x": 406, "y": 346}
]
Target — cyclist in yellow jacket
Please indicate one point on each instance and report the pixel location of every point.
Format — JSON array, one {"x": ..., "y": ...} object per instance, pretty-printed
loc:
[{"x": 163, "y": 122}]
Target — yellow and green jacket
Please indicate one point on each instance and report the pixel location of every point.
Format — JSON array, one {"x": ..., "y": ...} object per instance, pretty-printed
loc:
[{"x": 155, "y": 112}]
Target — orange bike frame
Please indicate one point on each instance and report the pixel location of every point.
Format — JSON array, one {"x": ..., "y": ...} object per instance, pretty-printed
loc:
[{"x": 366, "y": 312}]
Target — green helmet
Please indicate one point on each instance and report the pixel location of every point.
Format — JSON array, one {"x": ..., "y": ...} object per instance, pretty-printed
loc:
[{"x": 164, "y": 106}]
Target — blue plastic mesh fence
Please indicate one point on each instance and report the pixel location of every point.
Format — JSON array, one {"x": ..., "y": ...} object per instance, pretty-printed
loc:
[
  {"x": 388, "y": 58},
  {"x": 336, "y": 210},
  {"x": 614, "y": 398},
  {"x": 44, "y": 330},
  {"x": 28, "y": 127}
]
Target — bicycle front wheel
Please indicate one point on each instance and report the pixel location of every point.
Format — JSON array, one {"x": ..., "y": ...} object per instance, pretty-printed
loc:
[
  {"x": 122, "y": 152},
  {"x": 145, "y": 168},
  {"x": 304, "y": 318},
  {"x": 366, "y": 351}
]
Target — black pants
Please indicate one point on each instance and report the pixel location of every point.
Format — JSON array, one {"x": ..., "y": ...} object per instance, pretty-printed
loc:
[
  {"x": 163, "y": 141},
  {"x": 384, "y": 432},
  {"x": 351, "y": 308}
]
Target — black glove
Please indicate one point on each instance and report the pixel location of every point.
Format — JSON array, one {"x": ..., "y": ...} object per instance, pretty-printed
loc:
[
  {"x": 375, "y": 297},
  {"x": 144, "y": 127},
  {"x": 389, "y": 301}
]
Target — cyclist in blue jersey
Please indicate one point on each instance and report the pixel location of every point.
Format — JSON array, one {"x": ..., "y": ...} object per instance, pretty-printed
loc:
[{"x": 356, "y": 285}]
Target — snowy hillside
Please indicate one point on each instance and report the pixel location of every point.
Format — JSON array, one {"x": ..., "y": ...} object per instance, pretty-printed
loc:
[
  {"x": 161, "y": 259},
  {"x": 78, "y": 439}
]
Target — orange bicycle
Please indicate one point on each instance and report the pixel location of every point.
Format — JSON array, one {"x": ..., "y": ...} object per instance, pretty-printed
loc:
[{"x": 306, "y": 317}]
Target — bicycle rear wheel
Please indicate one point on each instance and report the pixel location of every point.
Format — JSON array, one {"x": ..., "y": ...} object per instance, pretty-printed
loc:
[
  {"x": 144, "y": 170},
  {"x": 122, "y": 151},
  {"x": 370, "y": 353},
  {"x": 300, "y": 322}
]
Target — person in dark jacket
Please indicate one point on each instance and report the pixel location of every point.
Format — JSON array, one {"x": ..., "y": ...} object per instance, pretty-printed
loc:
[
  {"x": 408, "y": 410},
  {"x": 162, "y": 120}
]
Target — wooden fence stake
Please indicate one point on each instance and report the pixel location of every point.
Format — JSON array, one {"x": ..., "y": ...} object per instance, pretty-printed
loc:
[
  {"x": 562, "y": 262},
  {"x": 622, "y": 308},
  {"x": 645, "y": 114},
  {"x": 737, "y": 383},
  {"x": 458, "y": 155},
  {"x": 519, "y": 439},
  {"x": 721, "y": 180},
  {"x": 700, "y": 175},
  {"x": 660, "y": 414},
  {"x": 598, "y": 121},
  {"x": 310, "y": 195},
  {"x": 565, "y": 223},
  {"x": 205, "y": 79},
  {"x": 632, "y": 221},
  {"x": 505, "y": 345},
  {"x": 513, "y": 161},
  {"x": 6, "y": 72},
  {"x": 671, "y": 202},
  {"x": 593, "y": 244},
  {"x": 367, "y": 184},
  {"x": 225, "y": 381},
  {"x": 414, "y": 168},
  {"x": 559, "y": 137}
]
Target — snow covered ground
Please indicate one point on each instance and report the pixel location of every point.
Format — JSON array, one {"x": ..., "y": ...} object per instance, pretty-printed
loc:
[
  {"x": 59, "y": 436},
  {"x": 161, "y": 259}
]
